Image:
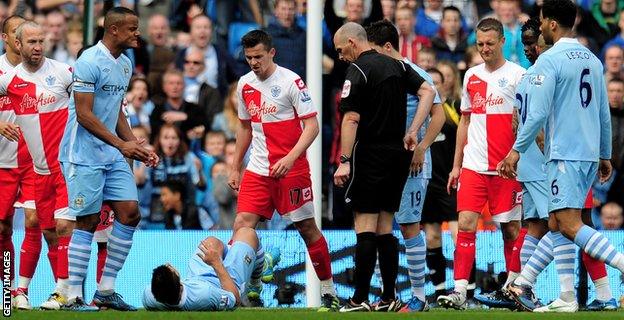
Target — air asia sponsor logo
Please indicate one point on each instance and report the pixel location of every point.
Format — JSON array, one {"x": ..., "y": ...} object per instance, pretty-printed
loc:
[
  {"x": 36, "y": 103},
  {"x": 5, "y": 101},
  {"x": 300, "y": 84},
  {"x": 479, "y": 102},
  {"x": 258, "y": 111},
  {"x": 114, "y": 89}
]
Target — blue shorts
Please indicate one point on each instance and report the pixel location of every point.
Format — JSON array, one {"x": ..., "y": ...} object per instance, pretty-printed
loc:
[
  {"x": 535, "y": 199},
  {"x": 239, "y": 262},
  {"x": 88, "y": 186},
  {"x": 569, "y": 182},
  {"x": 412, "y": 200}
]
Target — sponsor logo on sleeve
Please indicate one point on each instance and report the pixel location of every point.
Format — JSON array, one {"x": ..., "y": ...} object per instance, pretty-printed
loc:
[
  {"x": 300, "y": 84},
  {"x": 305, "y": 96},
  {"x": 346, "y": 89},
  {"x": 536, "y": 80}
]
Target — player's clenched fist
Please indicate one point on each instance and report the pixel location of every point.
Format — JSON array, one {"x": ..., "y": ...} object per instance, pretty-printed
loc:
[
  {"x": 342, "y": 174},
  {"x": 210, "y": 251},
  {"x": 234, "y": 179}
]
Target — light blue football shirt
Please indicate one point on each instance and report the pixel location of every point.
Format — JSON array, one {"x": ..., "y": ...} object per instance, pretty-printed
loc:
[
  {"x": 568, "y": 93},
  {"x": 201, "y": 291},
  {"x": 97, "y": 72},
  {"x": 412, "y": 107},
  {"x": 531, "y": 166}
]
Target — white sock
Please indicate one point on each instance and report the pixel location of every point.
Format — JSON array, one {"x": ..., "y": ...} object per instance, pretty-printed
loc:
[
  {"x": 461, "y": 286},
  {"x": 603, "y": 289},
  {"x": 23, "y": 282},
  {"x": 327, "y": 287}
]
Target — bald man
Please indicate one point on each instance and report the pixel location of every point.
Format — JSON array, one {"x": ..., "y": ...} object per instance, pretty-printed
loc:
[{"x": 374, "y": 139}]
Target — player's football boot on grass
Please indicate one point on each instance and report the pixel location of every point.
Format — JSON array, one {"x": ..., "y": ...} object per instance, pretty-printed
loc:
[
  {"x": 20, "y": 300},
  {"x": 524, "y": 297},
  {"x": 271, "y": 259},
  {"x": 601, "y": 305},
  {"x": 112, "y": 301},
  {"x": 329, "y": 302},
  {"x": 351, "y": 306},
  {"x": 56, "y": 301},
  {"x": 496, "y": 299},
  {"x": 453, "y": 300},
  {"x": 558, "y": 306},
  {"x": 414, "y": 305},
  {"x": 393, "y": 305},
  {"x": 253, "y": 292},
  {"x": 79, "y": 305}
]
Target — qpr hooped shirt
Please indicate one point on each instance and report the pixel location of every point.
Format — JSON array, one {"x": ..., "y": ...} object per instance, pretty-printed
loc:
[
  {"x": 40, "y": 101},
  {"x": 489, "y": 99},
  {"x": 13, "y": 154},
  {"x": 275, "y": 108}
]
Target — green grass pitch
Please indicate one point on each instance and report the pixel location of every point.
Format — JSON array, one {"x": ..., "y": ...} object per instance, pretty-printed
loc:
[{"x": 304, "y": 314}]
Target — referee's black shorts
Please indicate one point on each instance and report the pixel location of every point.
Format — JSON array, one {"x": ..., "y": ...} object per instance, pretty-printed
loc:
[
  {"x": 439, "y": 206},
  {"x": 378, "y": 175}
]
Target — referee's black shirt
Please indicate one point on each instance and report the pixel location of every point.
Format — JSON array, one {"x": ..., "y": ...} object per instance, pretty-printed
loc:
[{"x": 376, "y": 87}]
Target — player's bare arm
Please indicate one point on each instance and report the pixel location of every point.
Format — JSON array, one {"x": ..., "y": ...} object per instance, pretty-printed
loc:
[
  {"x": 243, "y": 140},
  {"x": 540, "y": 140},
  {"x": 10, "y": 131},
  {"x": 462, "y": 134},
  {"x": 348, "y": 130},
  {"x": 514, "y": 122},
  {"x": 426, "y": 94},
  {"x": 211, "y": 253},
  {"x": 87, "y": 119},
  {"x": 310, "y": 131},
  {"x": 437, "y": 121}
]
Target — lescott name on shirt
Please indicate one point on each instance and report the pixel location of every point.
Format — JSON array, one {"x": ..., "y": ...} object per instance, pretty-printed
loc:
[{"x": 573, "y": 55}]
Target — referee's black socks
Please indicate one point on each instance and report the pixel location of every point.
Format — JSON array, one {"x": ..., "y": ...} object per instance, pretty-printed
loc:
[
  {"x": 388, "y": 248},
  {"x": 436, "y": 262},
  {"x": 365, "y": 258}
]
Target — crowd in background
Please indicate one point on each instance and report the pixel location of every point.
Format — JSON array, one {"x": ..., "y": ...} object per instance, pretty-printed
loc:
[{"x": 182, "y": 96}]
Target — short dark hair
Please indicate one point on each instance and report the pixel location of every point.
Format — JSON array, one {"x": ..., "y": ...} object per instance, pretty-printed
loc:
[
  {"x": 451, "y": 8},
  {"x": 436, "y": 71},
  {"x": 5, "y": 23},
  {"x": 383, "y": 31},
  {"x": 176, "y": 187},
  {"x": 532, "y": 25},
  {"x": 616, "y": 79},
  {"x": 489, "y": 24},
  {"x": 256, "y": 37},
  {"x": 166, "y": 285},
  {"x": 116, "y": 15},
  {"x": 562, "y": 11}
]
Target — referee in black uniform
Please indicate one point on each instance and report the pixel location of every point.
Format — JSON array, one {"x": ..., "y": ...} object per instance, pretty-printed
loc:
[{"x": 376, "y": 154}]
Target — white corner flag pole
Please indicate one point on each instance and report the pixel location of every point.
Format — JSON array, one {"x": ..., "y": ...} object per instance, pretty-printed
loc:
[{"x": 315, "y": 81}]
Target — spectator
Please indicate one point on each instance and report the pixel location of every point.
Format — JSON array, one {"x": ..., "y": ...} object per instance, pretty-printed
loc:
[
  {"x": 468, "y": 10},
  {"x": 472, "y": 57},
  {"x": 355, "y": 13},
  {"x": 227, "y": 120},
  {"x": 185, "y": 115},
  {"x": 224, "y": 195},
  {"x": 219, "y": 66},
  {"x": 249, "y": 11},
  {"x": 161, "y": 55},
  {"x": 289, "y": 39},
  {"x": 410, "y": 43},
  {"x": 140, "y": 106},
  {"x": 176, "y": 163},
  {"x": 428, "y": 18},
  {"x": 388, "y": 8},
  {"x": 74, "y": 44},
  {"x": 614, "y": 61},
  {"x": 615, "y": 93},
  {"x": 178, "y": 214},
  {"x": 451, "y": 83},
  {"x": 426, "y": 59},
  {"x": 606, "y": 14},
  {"x": 55, "y": 27},
  {"x": 214, "y": 149},
  {"x": 618, "y": 40},
  {"x": 611, "y": 216},
  {"x": 450, "y": 43},
  {"x": 194, "y": 66},
  {"x": 140, "y": 178}
]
